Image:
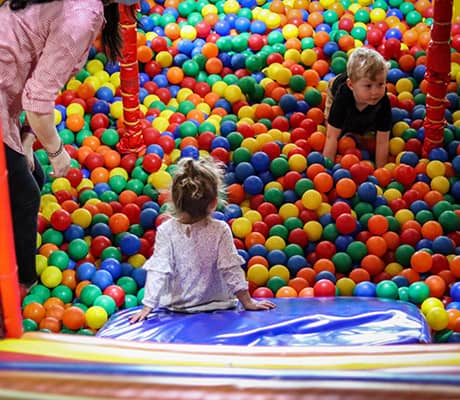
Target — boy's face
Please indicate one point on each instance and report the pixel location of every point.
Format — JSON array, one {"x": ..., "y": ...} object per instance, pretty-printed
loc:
[{"x": 368, "y": 92}]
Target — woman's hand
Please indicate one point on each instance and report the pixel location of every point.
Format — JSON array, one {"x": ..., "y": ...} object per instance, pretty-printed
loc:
[
  {"x": 60, "y": 164},
  {"x": 28, "y": 140},
  {"x": 141, "y": 315}
]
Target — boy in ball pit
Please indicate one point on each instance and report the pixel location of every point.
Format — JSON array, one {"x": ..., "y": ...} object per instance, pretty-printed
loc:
[
  {"x": 43, "y": 43},
  {"x": 357, "y": 105}
]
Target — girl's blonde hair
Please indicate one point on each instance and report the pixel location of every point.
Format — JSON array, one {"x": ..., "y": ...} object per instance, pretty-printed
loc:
[
  {"x": 365, "y": 63},
  {"x": 196, "y": 184}
]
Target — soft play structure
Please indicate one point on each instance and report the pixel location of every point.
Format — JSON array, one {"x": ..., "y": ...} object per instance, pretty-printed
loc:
[{"x": 324, "y": 347}]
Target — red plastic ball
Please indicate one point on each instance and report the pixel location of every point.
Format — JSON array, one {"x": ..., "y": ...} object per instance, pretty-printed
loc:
[{"x": 324, "y": 288}]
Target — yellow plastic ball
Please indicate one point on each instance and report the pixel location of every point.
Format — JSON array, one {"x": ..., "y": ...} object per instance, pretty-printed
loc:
[
  {"x": 297, "y": 162},
  {"x": 116, "y": 109},
  {"x": 160, "y": 180},
  {"x": 345, "y": 286},
  {"x": 280, "y": 271},
  {"x": 41, "y": 262},
  {"x": 252, "y": 215},
  {"x": 393, "y": 268},
  {"x": 241, "y": 227},
  {"x": 399, "y": 128},
  {"x": 75, "y": 108},
  {"x": 404, "y": 85},
  {"x": 57, "y": 117},
  {"x": 435, "y": 168},
  {"x": 233, "y": 93},
  {"x": 430, "y": 303},
  {"x": 275, "y": 243},
  {"x": 288, "y": 210},
  {"x": 96, "y": 317},
  {"x": 437, "y": 318},
  {"x": 311, "y": 199},
  {"x": 188, "y": 32},
  {"x": 136, "y": 260},
  {"x": 164, "y": 58},
  {"x": 81, "y": 217},
  {"x": 314, "y": 230},
  {"x": 258, "y": 274},
  {"x": 404, "y": 215},
  {"x": 94, "y": 65},
  {"x": 60, "y": 184},
  {"x": 397, "y": 145},
  {"x": 51, "y": 277},
  {"x": 441, "y": 184},
  {"x": 392, "y": 194}
]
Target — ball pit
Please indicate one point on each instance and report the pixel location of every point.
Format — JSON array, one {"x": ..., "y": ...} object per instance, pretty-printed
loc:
[{"x": 246, "y": 84}]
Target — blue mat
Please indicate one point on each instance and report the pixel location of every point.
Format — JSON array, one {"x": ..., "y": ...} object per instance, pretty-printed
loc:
[{"x": 337, "y": 321}]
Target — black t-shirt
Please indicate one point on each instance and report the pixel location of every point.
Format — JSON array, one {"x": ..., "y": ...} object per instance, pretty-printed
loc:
[{"x": 345, "y": 116}]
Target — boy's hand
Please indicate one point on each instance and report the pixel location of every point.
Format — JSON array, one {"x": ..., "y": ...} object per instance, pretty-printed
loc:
[
  {"x": 141, "y": 315},
  {"x": 254, "y": 305}
]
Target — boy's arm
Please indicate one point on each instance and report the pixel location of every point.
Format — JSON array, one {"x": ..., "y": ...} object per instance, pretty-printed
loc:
[
  {"x": 382, "y": 148},
  {"x": 330, "y": 146}
]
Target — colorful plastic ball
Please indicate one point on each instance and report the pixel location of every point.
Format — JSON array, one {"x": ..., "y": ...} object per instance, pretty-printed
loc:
[
  {"x": 117, "y": 293},
  {"x": 89, "y": 293},
  {"x": 129, "y": 244},
  {"x": 253, "y": 185},
  {"x": 418, "y": 292},
  {"x": 73, "y": 318},
  {"x": 365, "y": 289},
  {"x": 387, "y": 290},
  {"x": 51, "y": 277},
  {"x": 78, "y": 249},
  {"x": 324, "y": 288},
  {"x": 311, "y": 199},
  {"x": 96, "y": 317},
  {"x": 455, "y": 291},
  {"x": 437, "y": 318},
  {"x": 346, "y": 224},
  {"x": 62, "y": 292}
]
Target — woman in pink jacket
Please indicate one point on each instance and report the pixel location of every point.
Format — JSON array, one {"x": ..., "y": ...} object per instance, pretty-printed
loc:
[{"x": 42, "y": 45}]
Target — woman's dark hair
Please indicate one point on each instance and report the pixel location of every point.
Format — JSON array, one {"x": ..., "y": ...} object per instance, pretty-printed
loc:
[{"x": 111, "y": 37}]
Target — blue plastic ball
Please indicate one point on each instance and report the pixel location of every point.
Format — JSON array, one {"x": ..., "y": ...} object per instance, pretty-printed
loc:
[
  {"x": 129, "y": 244},
  {"x": 365, "y": 289},
  {"x": 102, "y": 279},
  {"x": 113, "y": 266}
]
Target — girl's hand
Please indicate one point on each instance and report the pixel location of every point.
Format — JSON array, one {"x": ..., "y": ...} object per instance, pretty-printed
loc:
[
  {"x": 255, "y": 305},
  {"x": 141, "y": 315}
]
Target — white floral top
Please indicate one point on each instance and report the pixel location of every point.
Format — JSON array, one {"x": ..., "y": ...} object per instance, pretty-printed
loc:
[{"x": 194, "y": 267}]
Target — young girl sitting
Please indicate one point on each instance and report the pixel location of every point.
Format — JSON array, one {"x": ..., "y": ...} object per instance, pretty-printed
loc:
[{"x": 195, "y": 265}]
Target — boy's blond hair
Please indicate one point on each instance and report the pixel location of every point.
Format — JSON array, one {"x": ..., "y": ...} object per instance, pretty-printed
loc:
[{"x": 365, "y": 63}]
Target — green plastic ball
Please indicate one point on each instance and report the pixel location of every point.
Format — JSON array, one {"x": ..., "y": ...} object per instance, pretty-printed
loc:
[
  {"x": 274, "y": 196},
  {"x": 128, "y": 284},
  {"x": 89, "y": 293},
  {"x": 29, "y": 325},
  {"x": 63, "y": 292},
  {"x": 357, "y": 250},
  {"x": 110, "y": 137},
  {"x": 387, "y": 290},
  {"x": 130, "y": 301},
  {"x": 342, "y": 261},
  {"x": 107, "y": 303},
  {"x": 403, "y": 254},
  {"x": 275, "y": 283},
  {"x": 418, "y": 292},
  {"x": 78, "y": 249},
  {"x": 279, "y": 167}
]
